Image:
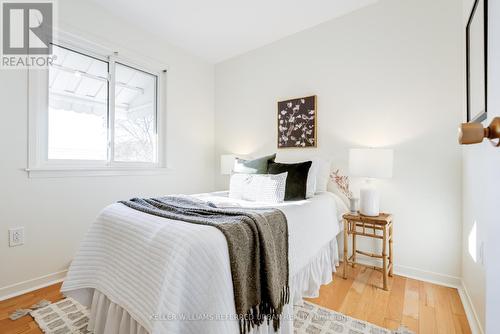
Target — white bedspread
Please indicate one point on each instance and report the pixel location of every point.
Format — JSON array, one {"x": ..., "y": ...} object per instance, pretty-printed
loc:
[{"x": 153, "y": 267}]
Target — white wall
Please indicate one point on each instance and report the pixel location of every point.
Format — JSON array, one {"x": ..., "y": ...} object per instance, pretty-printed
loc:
[
  {"x": 387, "y": 75},
  {"x": 481, "y": 180},
  {"x": 57, "y": 212}
]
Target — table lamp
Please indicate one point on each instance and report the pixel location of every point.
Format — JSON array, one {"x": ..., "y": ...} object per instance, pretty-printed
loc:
[{"x": 370, "y": 163}]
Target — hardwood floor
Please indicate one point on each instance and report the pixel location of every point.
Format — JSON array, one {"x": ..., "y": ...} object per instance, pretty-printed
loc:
[
  {"x": 25, "y": 325},
  {"x": 423, "y": 307}
]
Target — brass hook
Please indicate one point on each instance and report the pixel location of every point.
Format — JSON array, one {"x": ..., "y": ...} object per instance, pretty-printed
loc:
[{"x": 473, "y": 133}]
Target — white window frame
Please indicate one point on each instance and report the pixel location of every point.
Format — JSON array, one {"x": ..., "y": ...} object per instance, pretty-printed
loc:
[{"x": 38, "y": 93}]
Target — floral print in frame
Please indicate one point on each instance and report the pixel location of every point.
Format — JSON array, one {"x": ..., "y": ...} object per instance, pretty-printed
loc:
[{"x": 297, "y": 122}]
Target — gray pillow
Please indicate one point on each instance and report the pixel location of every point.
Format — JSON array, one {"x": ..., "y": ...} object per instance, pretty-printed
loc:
[{"x": 255, "y": 166}]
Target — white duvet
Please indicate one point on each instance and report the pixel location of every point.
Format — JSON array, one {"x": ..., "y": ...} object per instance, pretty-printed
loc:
[{"x": 174, "y": 277}]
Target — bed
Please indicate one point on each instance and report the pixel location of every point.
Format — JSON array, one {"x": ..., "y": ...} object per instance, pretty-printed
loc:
[{"x": 140, "y": 273}]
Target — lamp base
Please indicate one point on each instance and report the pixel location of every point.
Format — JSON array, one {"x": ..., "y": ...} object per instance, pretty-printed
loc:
[{"x": 369, "y": 203}]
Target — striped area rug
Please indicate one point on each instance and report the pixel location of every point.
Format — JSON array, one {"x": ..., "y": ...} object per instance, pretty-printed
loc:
[
  {"x": 313, "y": 319},
  {"x": 68, "y": 316}
]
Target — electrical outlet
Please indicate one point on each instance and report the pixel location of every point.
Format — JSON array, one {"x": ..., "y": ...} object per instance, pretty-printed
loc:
[{"x": 16, "y": 236}]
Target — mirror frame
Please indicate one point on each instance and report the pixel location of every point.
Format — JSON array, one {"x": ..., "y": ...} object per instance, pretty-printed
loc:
[{"x": 481, "y": 117}]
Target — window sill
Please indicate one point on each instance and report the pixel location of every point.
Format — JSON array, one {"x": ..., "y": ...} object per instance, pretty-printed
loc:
[{"x": 96, "y": 171}]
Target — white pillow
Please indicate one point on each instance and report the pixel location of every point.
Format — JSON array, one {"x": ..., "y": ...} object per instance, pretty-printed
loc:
[
  {"x": 258, "y": 187},
  {"x": 311, "y": 180},
  {"x": 341, "y": 207},
  {"x": 322, "y": 173}
]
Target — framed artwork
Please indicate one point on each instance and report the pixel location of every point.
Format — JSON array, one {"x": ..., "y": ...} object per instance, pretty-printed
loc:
[
  {"x": 297, "y": 122},
  {"x": 477, "y": 61}
]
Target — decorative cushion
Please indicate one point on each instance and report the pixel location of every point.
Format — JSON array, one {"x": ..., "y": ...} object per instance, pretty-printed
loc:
[
  {"x": 254, "y": 166},
  {"x": 311, "y": 176},
  {"x": 296, "y": 182},
  {"x": 258, "y": 187}
]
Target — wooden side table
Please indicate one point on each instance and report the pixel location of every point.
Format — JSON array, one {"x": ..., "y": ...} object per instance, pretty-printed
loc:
[{"x": 357, "y": 224}]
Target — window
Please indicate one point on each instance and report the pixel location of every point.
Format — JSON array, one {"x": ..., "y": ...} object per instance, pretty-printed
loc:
[
  {"x": 135, "y": 115},
  {"x": 78, "y": 117},
  {"x": 94, "y": 112}
]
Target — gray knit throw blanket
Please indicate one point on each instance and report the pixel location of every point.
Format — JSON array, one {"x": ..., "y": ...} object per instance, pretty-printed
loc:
[{"x": 257, "y": 240}]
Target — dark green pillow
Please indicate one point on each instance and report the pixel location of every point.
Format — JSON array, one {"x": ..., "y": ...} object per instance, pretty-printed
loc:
[
  {"x": 296, "y": 181},
  {"x": 254, "y": 166}
]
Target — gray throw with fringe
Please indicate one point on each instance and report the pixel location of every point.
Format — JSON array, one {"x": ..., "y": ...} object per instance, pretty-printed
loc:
[{"x": 257, "y": 240}]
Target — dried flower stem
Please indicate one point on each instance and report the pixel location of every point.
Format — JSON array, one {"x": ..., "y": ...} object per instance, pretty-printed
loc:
[{"x": 342, "y": 182}]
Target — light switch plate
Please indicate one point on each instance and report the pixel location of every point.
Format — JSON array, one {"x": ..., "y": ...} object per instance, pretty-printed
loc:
[{"x": 16, "y": 236}]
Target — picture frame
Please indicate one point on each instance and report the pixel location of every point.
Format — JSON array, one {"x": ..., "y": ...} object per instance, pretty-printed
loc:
[
  {"x": 297, "y": 122},
  {"x": 477, "y": 62}
]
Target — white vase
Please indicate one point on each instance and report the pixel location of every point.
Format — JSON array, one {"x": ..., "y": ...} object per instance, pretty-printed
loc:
[{"x": 353, "y": 204}]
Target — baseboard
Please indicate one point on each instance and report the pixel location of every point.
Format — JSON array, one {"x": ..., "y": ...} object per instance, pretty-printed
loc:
[
  {"x": 428, "y": 276},
  {"x": 17, "y": 289},
  {"x": 470, "y": 311},
  {"x": 440, "y": 279},
  {"x": 419, "y": 274}
]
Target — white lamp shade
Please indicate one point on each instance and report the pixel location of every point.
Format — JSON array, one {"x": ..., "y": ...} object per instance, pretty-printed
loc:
[
  {"x": 227, "y": 163},
  {"x": 371, "y": 162}
]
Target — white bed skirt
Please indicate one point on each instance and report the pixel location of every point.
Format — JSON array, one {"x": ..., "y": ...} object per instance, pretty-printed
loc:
[{"x": 107, "y": 317}]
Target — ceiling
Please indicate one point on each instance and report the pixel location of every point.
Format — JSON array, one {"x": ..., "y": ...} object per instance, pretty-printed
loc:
[{"x": 220, "y": 29}]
